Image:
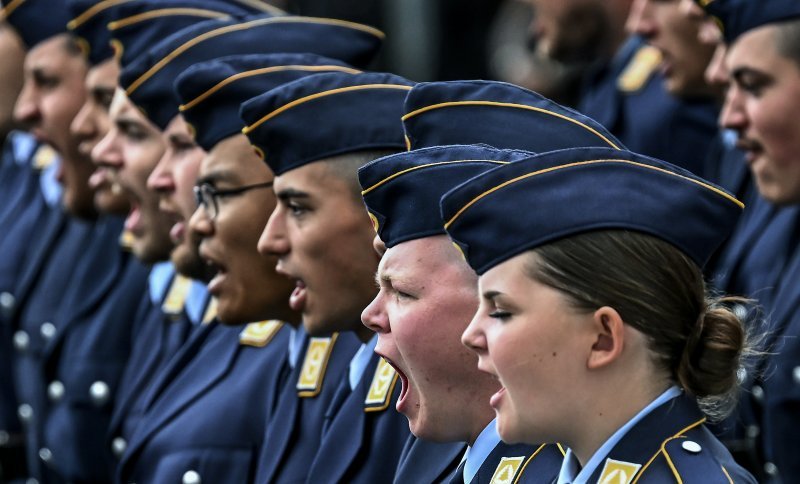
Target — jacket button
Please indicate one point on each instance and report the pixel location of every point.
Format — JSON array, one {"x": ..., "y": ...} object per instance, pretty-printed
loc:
[
  {"x": 7, "y": 303},
  {"x": 740, "y": 311},
  {"x": 770, "y": 469},
  {"x": 45, "y": 455},
  {"x": 796, "y": 374},
  {"x": 758, "y": 393},
  {"x": 191, "y": 477},
  {"x": 4, "y": 438},
  {"x": 691, "y": 447},
  {"x": 752, "y": 431},
  {"x": 48, "y": 330},
  {"x": 55, "y": 390},
  {"x": 25, "y": 412},
  {"x": 118, "y": 446},
  {"x": 99, "y": 392},
  {"x": 21, "y": 341}
]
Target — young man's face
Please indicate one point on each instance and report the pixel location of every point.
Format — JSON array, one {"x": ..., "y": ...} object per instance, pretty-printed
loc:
[
  {"x": 684, "y": 57},
  {"x": 762, "y": 105},
  {"x": 173, "y": 180},
  {"x": 91, "y": 124},
  {"x": 245, "y": 283},
  {"x": 427, "y": 297},
  {"x": 322, "y": 237},
  {"x": 12, "y": 57},
  {"x": 52, "y": 94},
  {"x": 131, "y": 149},
  {"x": 570, "y": 30}
]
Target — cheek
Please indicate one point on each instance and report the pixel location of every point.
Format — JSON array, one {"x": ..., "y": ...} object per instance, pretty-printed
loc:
[{"x": 775, "y": 123}]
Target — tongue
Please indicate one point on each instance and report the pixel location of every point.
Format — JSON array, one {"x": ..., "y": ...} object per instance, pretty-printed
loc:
[
  {"x": 297, "y": 300},
  {"x": 96, "y": 180},
  {"x": 176, "y": 232},
  {"x": 133, "y": 219}
]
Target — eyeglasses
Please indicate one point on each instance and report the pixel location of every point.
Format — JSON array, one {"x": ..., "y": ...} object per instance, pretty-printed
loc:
[{"x": 207, "y": 196}]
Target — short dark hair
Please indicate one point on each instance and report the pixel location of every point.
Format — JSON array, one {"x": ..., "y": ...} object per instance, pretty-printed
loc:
[
  {"x": 346, "y": 167},
  {"x": 787, "y": 39}
]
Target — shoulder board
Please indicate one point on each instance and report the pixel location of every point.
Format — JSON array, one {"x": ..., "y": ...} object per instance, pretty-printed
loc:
[
  {"x": 43, "y": 157},
  {"x": 619, "y": 472},
  {"x": 312, "y": 373},
  {"x": 638, "y": 71},
  {"x": 507, "y": 470},
  {"x": 126, "y": 240},
  {"x": 176, "y": 296},
  {"x": 687, "y": 457},
  {"x": 211, "y": 311},
  {"x": 260, "y": 334},
  {"x": 380, "y": 390}
]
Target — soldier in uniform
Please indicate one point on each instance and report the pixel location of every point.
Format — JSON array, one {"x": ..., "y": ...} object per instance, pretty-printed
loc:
[
  {"x": 322, "y": 237},
  {"x": 19, "y": 189},
  {"x": 73, "y": 322},
  {"x": 764, "y": 65},
  {"x": 442, "y": 113},
  {"x": 427, "y": 296},
  {"x": 601, "y": 286},
  {"x": 623, "y": 89},
  {"x": 223, "y": 370}
]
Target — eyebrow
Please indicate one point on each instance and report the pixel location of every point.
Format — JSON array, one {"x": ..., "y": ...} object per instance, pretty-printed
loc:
[
  {"x": 491, "y": 294},
  {"x": 217, "y": 176},
  {"x": 288, "y": 193}
]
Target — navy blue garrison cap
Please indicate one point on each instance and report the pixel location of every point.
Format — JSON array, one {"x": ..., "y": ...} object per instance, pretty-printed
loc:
[
  {"x": 326, "y": 115},
  {"x": 497, "y": 114},
  {"x": 520, "y": 206},
  {"x": 142, "y": 24},
  {"x": 739, "y": 16},
  {"x": 211, "y": 92},
  {"x": 149, "y": 81},
  {"x": 35, "y": 20},
  {"x": 402, "y": 191},
  {"x": 89, "y": 25}
]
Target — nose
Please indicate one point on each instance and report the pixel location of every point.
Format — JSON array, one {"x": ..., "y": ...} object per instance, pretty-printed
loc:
[
  {"x": 640, "y": 19},
  {"x": 733, "y": 115},
  {"x": 374, "y": 317},
  {"x": 161, "y": 180},
  {"x": 692, "y": 10},
  {"x": 107, "y": 152},
  {"x": 274, "y": 240},
  {"x": 717, "y": 72},
  {"x": 474, "y": 338},
  {"x": 26, "y": 109},
  {"x": 200, "y": 223},
  {"x": 82, "y": 126}
]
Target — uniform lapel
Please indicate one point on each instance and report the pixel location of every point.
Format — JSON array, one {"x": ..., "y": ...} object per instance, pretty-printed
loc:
[{"x": 196, "y": 379}]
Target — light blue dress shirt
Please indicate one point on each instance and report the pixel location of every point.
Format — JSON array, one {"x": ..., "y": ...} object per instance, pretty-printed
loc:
[
  {"x": 571, "y": 473},
  {"x": 360, "y": 361},
  {"x": 478, "y": 452}
]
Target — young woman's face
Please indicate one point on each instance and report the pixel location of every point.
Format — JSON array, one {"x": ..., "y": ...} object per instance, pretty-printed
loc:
[{"x": 527, "y": 335}]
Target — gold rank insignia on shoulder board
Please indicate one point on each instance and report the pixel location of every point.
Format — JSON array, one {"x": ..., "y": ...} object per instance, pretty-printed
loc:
[
  {"x": 639, "y": 69},
  {"x": 618, "y": 472},
  {"x": 126, "y": 240},
  {"x": 315, "y": 363},
  {"x": 211, "y": 311},
  {"x": 176, "y": 296},
  {"x": 260, "y": 334},
  {"x": 507, "y": 470},
  {"x": 380, "y": 390},
  {"x": 43, "y": 157}
]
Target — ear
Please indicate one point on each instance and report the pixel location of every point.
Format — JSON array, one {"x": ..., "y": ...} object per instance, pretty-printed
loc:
[{"x": 609, "y": 339}]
